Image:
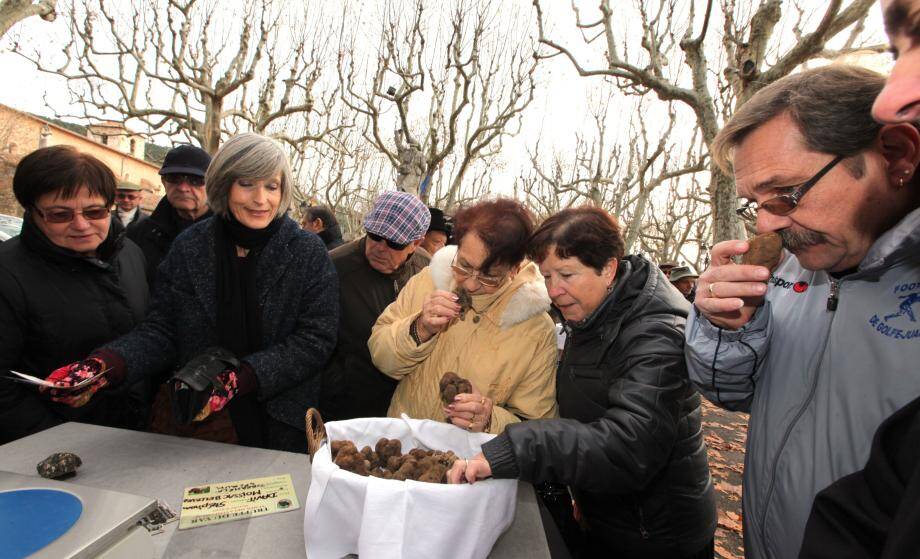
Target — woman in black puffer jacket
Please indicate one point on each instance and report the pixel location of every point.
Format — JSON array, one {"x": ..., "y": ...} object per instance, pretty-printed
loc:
[
  {"x": 69, "y": 282},
  {"x": 629, "y": 444}
]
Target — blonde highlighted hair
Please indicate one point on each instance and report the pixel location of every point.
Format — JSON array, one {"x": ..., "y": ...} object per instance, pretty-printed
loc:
[{"x": 247, "y": 156}]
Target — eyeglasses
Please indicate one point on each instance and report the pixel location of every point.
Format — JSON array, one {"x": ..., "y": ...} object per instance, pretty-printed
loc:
[
  {"x": 392, "y": 244},
  {"x": 127, "y": 195},
  {"x": 465, "y": 274},
  {"x": 67, "y": 215},
  {"x": 785, "y": 204},
  {"x": 175, "y": 179}
]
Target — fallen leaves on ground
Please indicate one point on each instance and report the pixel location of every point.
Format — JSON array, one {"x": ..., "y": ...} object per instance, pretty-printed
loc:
[{"x": 725, "y": 434}]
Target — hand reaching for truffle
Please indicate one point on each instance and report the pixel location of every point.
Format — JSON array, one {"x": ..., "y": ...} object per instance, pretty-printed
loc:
[
  {"x": 469, "y": 471},
  {"x": 472, "y": 412}
]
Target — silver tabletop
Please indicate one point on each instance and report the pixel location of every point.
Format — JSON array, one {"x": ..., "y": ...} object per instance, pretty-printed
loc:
[{"x": 160, "y": 467}]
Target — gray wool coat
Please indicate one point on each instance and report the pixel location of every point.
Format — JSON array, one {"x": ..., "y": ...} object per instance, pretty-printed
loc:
[{"x": 298, "y": 294}]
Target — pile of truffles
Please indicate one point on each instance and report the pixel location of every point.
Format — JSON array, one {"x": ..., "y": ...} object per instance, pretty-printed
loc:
[{"x": 387, "y": 461}]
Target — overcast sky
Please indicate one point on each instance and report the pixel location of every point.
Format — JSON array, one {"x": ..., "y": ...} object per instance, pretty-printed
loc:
[{"x": 559, "y": 111}]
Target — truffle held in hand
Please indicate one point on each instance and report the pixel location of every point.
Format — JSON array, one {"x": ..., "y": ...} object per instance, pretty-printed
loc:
[
  {"x": 451, "y": 384},
  {"x": 464, "y": 299},
  {"x": 765, "y": 250}
]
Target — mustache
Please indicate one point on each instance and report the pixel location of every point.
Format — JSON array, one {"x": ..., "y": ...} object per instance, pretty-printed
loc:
[{"x": 797, "y": 240}]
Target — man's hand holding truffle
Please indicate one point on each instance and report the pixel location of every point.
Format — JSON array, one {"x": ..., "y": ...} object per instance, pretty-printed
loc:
[{"x": 728, "y": 294}]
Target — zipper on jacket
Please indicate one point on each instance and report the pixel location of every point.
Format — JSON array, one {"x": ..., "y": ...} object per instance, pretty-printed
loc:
[
  {"x": 642, "y": 529},
  {"x": 834, "y": 296},
  {"x": 835, "y": 292}
]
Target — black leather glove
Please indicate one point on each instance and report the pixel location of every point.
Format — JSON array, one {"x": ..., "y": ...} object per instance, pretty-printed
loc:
[{"x": 195, "y": 383}]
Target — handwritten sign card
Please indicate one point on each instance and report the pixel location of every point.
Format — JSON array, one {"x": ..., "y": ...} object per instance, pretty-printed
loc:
[{"x": 222, "y": 502}]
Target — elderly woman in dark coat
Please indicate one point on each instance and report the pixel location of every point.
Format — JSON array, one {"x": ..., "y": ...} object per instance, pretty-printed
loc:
[
  {"x": 628, "y": 443},
  {"x": 68, "y": 283},
  {"x": 250, "y": 281}
]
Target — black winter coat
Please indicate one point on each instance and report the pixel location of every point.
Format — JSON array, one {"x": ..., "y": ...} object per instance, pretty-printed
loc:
[
  {"x": 630, "y": 444},
  {"x": 332, "y": 237},
  {"x": 55, "y": 307},
  {"x": 352, "y": 385},
  {"x": 297, "y": 291},
  {"x": 873, "y": 513},
  {"x": 156, "y": 233}
]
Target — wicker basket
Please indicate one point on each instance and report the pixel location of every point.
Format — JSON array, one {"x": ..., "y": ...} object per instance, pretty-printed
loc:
[{"x": 316, "y": 431}]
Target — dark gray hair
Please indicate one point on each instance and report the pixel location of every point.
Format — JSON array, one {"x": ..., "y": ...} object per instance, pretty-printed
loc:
[
  {"x": 247, "y": 156},
  {"x": 321, "y": 212},
  {"x": 831, "y": 105}
]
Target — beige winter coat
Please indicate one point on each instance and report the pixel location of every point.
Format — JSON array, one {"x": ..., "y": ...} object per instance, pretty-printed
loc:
[{"x": 505, "y": 346}]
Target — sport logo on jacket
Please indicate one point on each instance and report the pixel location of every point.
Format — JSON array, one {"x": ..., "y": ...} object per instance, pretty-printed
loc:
[
  {"x": 798, "y": 287},
  {"x": 903, "y": 323}
]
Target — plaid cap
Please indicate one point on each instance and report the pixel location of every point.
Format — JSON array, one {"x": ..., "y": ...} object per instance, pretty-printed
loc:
[{"x": 399, "y": 217}]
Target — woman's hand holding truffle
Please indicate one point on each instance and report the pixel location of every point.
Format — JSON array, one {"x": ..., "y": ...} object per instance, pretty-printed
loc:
[
  {"x": 472, "y": 412},
  {"x": 439, "y": 308}
]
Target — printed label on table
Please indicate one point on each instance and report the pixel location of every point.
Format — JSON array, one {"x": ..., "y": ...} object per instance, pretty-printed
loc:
[{"x": 222, "y": 502}]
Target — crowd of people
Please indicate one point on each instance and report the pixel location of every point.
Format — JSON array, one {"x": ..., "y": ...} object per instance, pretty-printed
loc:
[{"x": 219, "y": 317}]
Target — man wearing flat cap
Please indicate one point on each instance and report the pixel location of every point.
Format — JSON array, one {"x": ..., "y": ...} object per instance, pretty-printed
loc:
[
  {"x": 185, "y": 203},
  {"x": 128, "y": 198},
  {"x": 371, "y": 270}
]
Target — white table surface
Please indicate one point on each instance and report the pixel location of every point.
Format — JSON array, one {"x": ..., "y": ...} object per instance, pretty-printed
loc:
[{"x": 160, "y": 467}]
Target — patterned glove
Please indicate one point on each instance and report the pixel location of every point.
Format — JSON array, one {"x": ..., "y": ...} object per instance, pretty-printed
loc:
[
  {"x": 75, "y": 373},
  {"x": 220, "y": 398}
]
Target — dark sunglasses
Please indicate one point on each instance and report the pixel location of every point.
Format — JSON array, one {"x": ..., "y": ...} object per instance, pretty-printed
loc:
[
  {"x": 127, "y": 195},
  {"x": 67, "y": 215},
  {"x": 175, "y": 179},
  {"x": 785, "y": 204},
  {"x": 393, "y": 245}
]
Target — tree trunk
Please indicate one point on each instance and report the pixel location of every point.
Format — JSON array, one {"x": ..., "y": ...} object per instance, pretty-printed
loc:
[
  {"x": 724, "y": 200},
  {"x": 14, "y": 11},
  {"x": 213, "y": 111},
  {"x": 635, "y": 224}
]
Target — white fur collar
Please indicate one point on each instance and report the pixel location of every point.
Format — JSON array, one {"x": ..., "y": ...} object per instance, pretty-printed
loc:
[{"x": 529, "y": 299}]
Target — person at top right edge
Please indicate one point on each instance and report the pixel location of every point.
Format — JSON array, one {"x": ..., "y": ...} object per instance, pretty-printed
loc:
[
  {"x": 815, "y": 331},
  {"x": 875, "y": 511}
]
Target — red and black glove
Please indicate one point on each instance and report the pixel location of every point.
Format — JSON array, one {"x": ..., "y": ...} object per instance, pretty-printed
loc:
[
  {"x": 73, "y": 374},
  {"x": 207, "y": 383},
  {"x": 220, "y": 397}
]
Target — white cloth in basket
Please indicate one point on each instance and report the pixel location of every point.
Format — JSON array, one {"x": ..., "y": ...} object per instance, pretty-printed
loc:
[{"x": 388, "y": 519}]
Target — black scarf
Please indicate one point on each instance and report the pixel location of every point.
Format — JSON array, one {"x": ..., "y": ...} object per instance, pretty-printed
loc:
[
  {"x": 239, "y": 322},
  {"x": 239, "y": 319}
]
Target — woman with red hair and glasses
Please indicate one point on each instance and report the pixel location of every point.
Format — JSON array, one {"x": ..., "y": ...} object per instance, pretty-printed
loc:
[
  {"x": 478, "y": 310},
  {"x": 68, "y": 283}
]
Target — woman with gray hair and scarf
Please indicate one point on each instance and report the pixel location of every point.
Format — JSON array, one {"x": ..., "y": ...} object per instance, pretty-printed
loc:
[{"x": 245, "y": 307}]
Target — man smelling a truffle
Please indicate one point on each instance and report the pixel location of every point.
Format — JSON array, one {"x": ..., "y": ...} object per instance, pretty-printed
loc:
[{"x": 820, "y": 343}]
